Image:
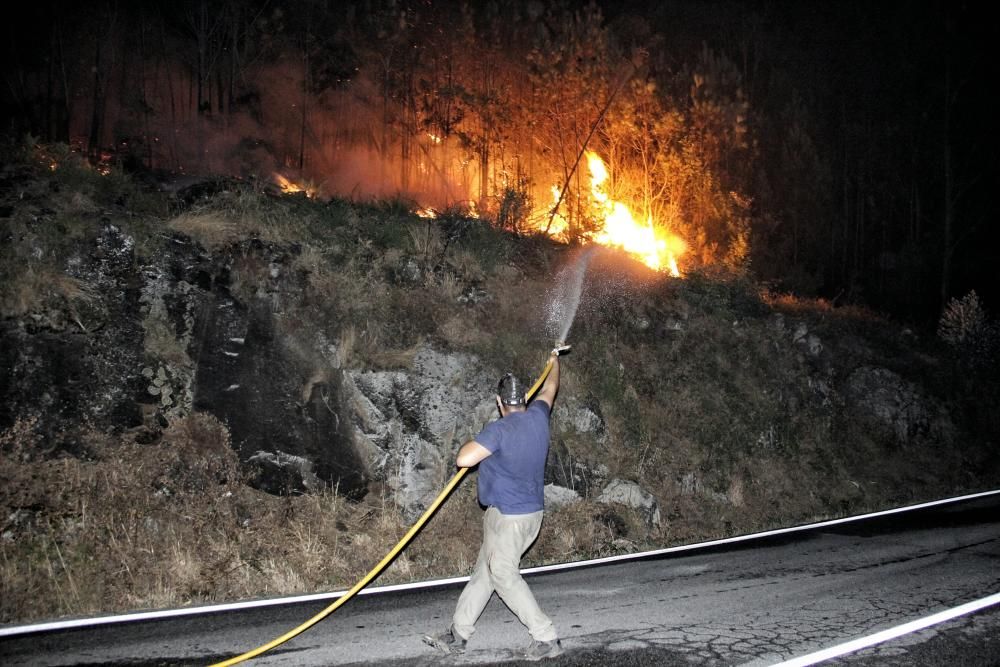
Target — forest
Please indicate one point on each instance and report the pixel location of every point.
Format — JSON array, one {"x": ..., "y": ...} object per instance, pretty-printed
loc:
[{"x": 835, "y": 150}]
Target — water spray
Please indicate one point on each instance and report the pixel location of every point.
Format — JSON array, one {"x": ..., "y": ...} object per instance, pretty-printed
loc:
[{"x": 566, "y": 296}]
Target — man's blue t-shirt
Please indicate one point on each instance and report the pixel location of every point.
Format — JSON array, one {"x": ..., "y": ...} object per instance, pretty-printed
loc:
[{"x": 512, "y": 477}]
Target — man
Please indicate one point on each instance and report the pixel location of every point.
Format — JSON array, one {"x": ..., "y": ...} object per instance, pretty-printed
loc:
[{"x": 511, "y": 455}]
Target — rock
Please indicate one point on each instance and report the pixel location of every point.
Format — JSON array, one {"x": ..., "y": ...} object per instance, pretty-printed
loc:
[
  {"x": 560, "y": 496},
  {"x": 563, "y": 468},
  {"x": 18, "y": 522},
  {"x": 408, "y": 272},
  {"x": 632, "y": 495},
  {"x": 87, "y": 369},
  {"x": 473, "y": 295},
  {"x": 638, "y": 322},
  {"x": 897, "y": 405},
  {"x": 208, "y": 351},
  {"x": 690, "y": 484},
  {"x": 283, "y": 474},
  {"x": 409, "y": 423},
  {"x": 670, "y": 324},
  {"x": 813, "y": 345},
  {"x": 570, "y": 414}
]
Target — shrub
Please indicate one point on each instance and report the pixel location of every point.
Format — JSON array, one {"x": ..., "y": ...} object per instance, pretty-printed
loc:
[
  {"x": 962, "y": 321},
  {"x": 966, "y": 328},
  {"x": 515, "y": 207}
]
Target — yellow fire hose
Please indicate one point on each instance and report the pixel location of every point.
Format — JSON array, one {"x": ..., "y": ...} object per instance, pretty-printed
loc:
[{"x": 375, "y": 571}]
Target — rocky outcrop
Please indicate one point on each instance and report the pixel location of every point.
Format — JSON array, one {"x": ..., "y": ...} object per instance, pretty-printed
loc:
[
  {"x": 161, "y": 337},
  {"x": 571, "y": 414},
  {"x": 410, "y": 423},
  {"x": 75, "y": 364},
  {"x": 559, "y": 496},
  {"x": 631, "y": 495},
  {"x": 278, "y": 472},
  {"x": 167, "y": 336},
  {"x": 898, "y": 407}
]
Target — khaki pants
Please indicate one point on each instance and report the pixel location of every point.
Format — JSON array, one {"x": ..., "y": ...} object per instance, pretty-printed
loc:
[{"x": 505, "y": 538}]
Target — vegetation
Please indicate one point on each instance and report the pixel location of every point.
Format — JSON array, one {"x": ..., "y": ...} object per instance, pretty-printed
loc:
[
  {"x": 724, "y": 400},
  {"x": 717, "y": 124}
]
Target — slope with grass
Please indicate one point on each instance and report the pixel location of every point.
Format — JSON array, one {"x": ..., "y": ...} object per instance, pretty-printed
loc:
[{"x": 238, "y": 394}]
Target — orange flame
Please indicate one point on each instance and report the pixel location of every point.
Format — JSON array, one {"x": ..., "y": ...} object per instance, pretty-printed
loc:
[
  {"x": 656, "y": 248},
  {"x": 291, "y": 187}
]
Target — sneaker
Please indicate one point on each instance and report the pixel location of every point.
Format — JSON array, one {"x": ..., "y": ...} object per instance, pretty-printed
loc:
[
  {"x": 542, "y": 650},
  {"x": 446, "y": 642}
]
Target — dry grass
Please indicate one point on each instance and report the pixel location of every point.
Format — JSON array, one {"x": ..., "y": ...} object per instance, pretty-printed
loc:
[
  {"x": 468, "y": 265},
  {"x": 39, "y": 287},
  {"x": 312, "y": 261},
  {"x": 425, "y": 240},
  {"x": 211, "y": 229},
  {"x": 457, "y": 333},
  {"x": 167, "y": 525},
  {"x": 234, "y": 216},
  {"x": 172, "y": 524}
]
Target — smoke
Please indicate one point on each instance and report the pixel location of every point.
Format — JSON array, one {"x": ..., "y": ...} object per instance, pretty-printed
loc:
[{"x": 336, "y": 141}]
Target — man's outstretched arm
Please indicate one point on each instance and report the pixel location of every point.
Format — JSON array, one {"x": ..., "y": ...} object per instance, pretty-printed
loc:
[
  {"x": 470, "y": 454},
  {"x": 551, "y": 385}
]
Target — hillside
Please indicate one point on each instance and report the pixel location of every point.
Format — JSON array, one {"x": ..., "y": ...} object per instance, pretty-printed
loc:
[{"x": 224, "y": 391}]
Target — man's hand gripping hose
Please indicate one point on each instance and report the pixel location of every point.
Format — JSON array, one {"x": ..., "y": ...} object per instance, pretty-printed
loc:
[{"x": 389, "y": 557}]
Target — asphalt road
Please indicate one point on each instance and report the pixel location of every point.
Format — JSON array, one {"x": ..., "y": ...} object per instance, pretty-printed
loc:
[{"x": 752, "y": 604}]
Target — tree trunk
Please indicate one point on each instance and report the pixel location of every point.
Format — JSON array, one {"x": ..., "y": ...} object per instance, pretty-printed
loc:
[
  {"x": 204, "y": 96},
  {"x": 172, "y": 143},
  {"x": 94, "y": 140},
  {"x": 949, "y": 204},
  {"x": 304, "y": 104}
]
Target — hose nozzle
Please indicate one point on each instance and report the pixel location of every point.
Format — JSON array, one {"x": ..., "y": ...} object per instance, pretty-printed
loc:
[{"x": 561, "y": 347}]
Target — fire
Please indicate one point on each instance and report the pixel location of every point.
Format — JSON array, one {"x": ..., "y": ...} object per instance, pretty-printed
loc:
[
  {"x": 291, "y": 187},
  {"x": 559, "y": 225},
  {"x": 467, "y": 209},
  {"x": 657, "y": 248}
]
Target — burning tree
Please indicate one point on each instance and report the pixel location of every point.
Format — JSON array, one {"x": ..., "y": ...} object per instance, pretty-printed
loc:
[{"x": 532, "y": 114}]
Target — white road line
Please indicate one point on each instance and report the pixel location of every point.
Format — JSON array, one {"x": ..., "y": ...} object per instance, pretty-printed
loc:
[
  {"x": 250, "y": 604},
  {"x": 892, "y": 633},
  {"x": 757, "y": 536}
]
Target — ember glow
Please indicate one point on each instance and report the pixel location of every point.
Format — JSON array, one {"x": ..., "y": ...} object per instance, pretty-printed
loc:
[{"x": 291, "y": 187}]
